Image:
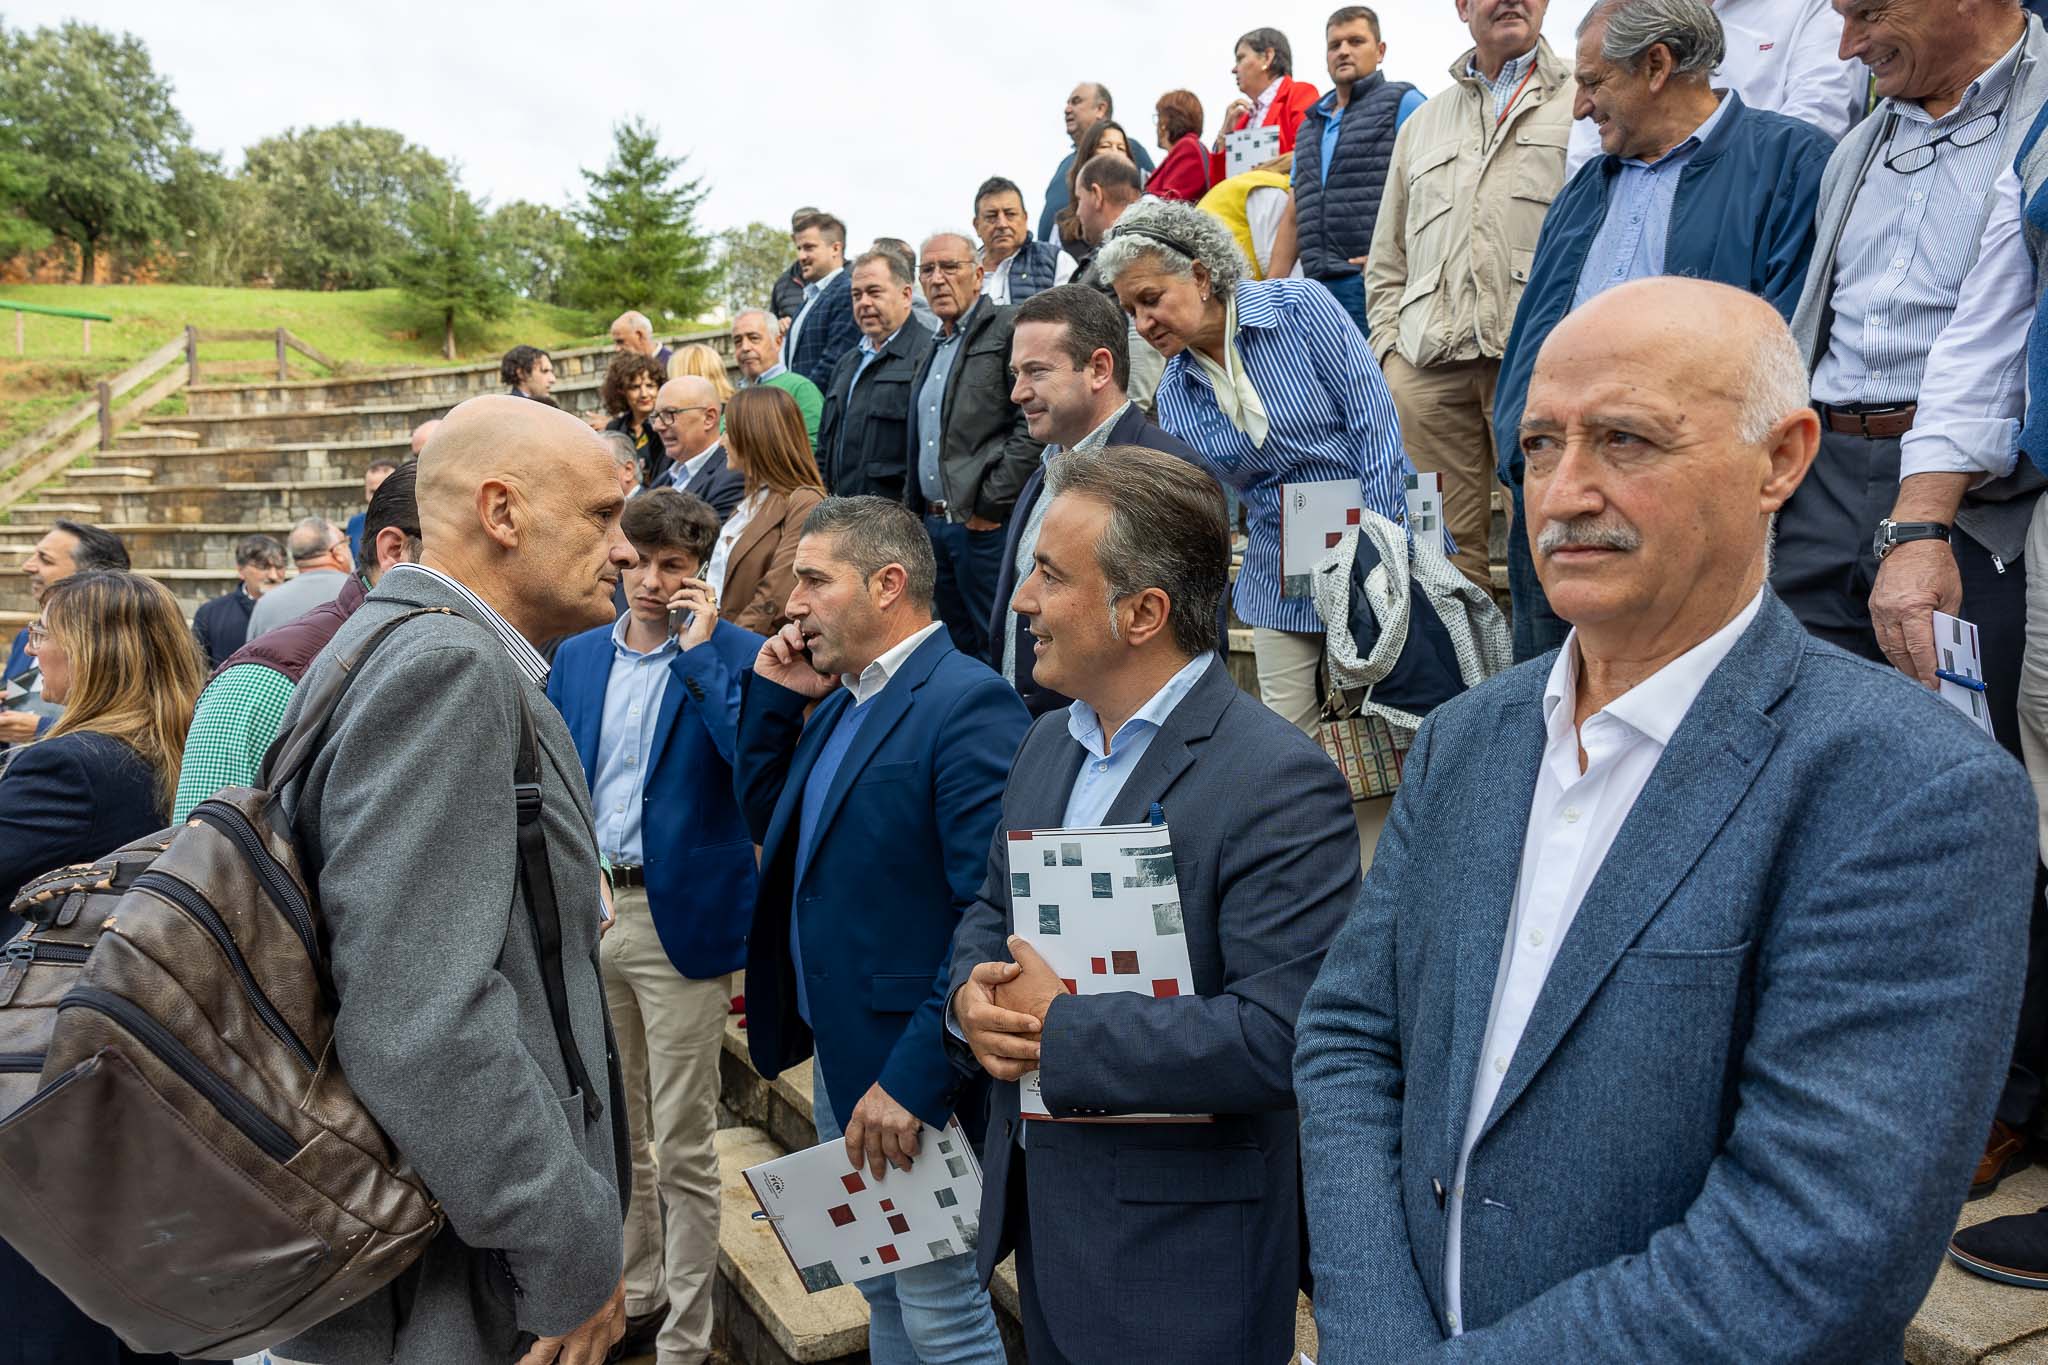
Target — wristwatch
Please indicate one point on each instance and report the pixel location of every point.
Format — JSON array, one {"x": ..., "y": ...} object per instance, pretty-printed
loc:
[{"x": 1892, "y": 534}]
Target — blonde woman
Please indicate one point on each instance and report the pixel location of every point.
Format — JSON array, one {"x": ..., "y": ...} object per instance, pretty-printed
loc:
[
  {"x": 753, "y": 566},
  {"x": 704, "y": 361}
]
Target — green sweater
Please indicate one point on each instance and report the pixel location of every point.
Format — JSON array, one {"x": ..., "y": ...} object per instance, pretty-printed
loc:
[{"x": 809, "y": 401}]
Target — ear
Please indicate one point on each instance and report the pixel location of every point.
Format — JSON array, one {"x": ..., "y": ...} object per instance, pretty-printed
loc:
[
  {"x": 887, "y": 585},
  {"x": 1150, "y": 614},
  {"x": 1101, "y": 367},
  {"x": 498, "y": 513},
  {"x": 388, "y": 550},
  {"x": 1658, "y": 67},
  {"x": 1790, "y": 449}
]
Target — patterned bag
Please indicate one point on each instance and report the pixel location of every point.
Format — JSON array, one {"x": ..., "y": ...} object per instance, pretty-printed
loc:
[{"x": 1365, "y": 747}]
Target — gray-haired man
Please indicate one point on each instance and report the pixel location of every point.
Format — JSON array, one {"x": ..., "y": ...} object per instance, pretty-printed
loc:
[{"x": 319, "y": 550}]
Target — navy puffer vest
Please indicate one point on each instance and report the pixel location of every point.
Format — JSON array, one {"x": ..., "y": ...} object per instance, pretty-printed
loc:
[
  {"x": 1335, "y": 220},
  {"x": 1033, "y": 269}
]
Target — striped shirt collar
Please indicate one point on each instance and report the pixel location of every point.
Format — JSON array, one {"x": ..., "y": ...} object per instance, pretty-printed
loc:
[{"x": 523, "y": 653}]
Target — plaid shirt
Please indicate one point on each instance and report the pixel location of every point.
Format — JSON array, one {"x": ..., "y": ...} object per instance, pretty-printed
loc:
[
  {"x": 1507, "y": 84},
  {"x": 237, "y": 718}
]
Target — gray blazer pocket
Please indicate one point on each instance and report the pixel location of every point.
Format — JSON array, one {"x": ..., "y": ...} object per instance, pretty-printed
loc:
[
  {"x": 1673, "y": 967},
  {"x": 899, "y": 994},
  {"x": 1189, "y": 1175}
]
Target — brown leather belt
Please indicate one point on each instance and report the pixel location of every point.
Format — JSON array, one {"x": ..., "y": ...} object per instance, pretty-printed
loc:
[
  {"x": 1873, "y": 422},
  {"x": 628, "y": 878},
  {"x": 934, "y": 508}
]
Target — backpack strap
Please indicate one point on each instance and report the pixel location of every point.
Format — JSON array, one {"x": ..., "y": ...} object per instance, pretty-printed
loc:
[{"x": 292, "y": 750}]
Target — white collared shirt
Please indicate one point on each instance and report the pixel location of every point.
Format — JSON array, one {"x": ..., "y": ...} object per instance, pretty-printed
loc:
[
  {"x": 1572, "y": 823},
  {"x": 995, "y": 285},
  {"x": 729, "y": 536},
  {"x": 876, "y": 675},
  {"x": 812, "y": 293}
]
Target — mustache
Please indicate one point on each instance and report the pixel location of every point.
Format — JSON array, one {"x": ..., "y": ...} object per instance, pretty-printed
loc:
[{"x": 1588, "y": 533}]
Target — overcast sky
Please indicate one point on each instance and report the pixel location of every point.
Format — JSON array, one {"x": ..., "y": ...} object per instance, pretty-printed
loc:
[{"x": 889, "y": 122}]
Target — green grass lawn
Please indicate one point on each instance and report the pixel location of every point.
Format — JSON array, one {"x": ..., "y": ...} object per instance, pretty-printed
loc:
[{"x": 362, "y": 329}]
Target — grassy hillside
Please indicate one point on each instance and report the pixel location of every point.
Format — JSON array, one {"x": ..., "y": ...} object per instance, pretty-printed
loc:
[{"x": 370, "y": 329}]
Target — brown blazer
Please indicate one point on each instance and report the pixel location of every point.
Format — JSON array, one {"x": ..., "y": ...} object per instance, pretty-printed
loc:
[{"x": 761, "y": 569}]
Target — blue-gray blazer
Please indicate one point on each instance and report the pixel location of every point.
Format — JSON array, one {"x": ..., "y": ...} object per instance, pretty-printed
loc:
[
  {"x": 1176, "y": 1242},
  {"x": 1744, "y": 1114}
]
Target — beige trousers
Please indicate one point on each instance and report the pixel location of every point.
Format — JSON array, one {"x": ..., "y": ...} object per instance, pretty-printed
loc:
[
  {"x": 1289, "y": 664},
  {"x": 1447, "y": 426},
  {"x": 2033, "y": 697},
  {"x": 669, "y": 1032}
]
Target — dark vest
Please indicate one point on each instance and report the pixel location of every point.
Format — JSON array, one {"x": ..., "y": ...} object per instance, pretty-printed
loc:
[
  {"x": 1334, "y": 221},
  {"x": 291, "y": 647},
  {"x": 1032, "y": 270}
]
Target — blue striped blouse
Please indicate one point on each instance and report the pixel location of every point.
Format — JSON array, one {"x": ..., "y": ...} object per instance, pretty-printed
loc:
[{"x": 1329, "y": 417}]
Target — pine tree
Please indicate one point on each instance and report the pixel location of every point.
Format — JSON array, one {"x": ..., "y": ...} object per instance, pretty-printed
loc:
[
  {"x": 452, "y": 268},
  {"x": 642, "y": 248}
]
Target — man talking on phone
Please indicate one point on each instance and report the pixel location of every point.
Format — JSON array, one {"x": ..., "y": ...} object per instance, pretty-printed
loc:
[
  {"x": 652, "y": 702},
  {"x": 874, "y": 818}
]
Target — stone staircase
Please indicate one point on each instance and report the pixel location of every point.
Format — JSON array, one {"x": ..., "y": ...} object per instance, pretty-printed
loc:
[{"x": 181, "y": 490}]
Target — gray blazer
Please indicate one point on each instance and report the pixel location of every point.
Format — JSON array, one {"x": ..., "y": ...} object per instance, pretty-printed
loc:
[
  {"x": 1176, "y": 1242},
  {"x": 407, "y": 820},
  {"x": 1742, "y": 1118}
]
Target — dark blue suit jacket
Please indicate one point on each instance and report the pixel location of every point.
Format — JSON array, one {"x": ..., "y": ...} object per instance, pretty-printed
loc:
[
  {"x": 1134, "y": 428},
  {"x": 1203, "y": 1218},
  {"x": 899, "y": 853},
  {"x": 699, "y": 856},
  {"x": 719, "y": 484},
  {"x": 70, "y": 800},
  {"x": 1743, "y": 1115},
  {"x": 827, "y": 334}
]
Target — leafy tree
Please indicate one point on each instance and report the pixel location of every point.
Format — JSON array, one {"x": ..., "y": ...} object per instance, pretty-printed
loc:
[
  {"x": 340, "y": 199},
  {"x": 88, "y": 124},
  {"x": 752, "y": 257},
  {"x": 225, "y": 233},
  {"x": 452, "y": 267},
  {"x": 20, "y": 186},
  {"x": 641, "y": 247},
  {"x": 534, "y": 243}
]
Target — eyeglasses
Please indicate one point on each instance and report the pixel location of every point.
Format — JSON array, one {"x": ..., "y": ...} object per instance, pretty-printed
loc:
[
  {"x": 666, "y": 417},
  {"x": 38, "y": 635},
  {"x": 930, "y": 269},
  {"x": 1968, "y": 133}
]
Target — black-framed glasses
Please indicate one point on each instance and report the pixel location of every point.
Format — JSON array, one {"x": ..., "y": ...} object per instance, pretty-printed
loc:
[
  {"x": 1968, "y": 133},
  {"x": 666, "y": 417}
]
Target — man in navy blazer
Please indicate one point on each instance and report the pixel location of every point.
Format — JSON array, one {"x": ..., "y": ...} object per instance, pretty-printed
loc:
[
  {"x": 1698, "y": 1066},
  {"x": 874, "y": 820},
  {"x": 653, "y": 713},
  {"x": 824, "y": 328},
  {"x": 1175, "y": 1241},
  {"x": 1070, "y": 363}
]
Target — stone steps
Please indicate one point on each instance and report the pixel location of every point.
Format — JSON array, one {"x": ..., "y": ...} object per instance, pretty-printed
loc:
[
  {"x": 230, "y": 503},
  {"x": 273, "y": 462}
]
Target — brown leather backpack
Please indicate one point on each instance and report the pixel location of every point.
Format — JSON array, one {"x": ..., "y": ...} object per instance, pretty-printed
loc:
[{"x": 179, "y": 1151}]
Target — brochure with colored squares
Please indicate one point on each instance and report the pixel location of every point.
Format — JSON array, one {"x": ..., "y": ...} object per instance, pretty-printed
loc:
[
  {"x": 1102, "y": 907},
  {"x": 840, "y": 1225}
]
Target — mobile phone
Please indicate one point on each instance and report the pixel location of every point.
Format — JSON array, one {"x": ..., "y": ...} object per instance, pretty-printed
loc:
[{"x": 678, "y": 620}]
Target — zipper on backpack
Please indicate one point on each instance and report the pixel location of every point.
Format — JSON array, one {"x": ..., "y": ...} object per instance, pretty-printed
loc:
[
  {"x": 238, "y": 1109},
  {"x": 16, "y": 1063},
  {"x": 283, "y": 892},
  {"x": 193, "y": 904},
  {"x": 18, "y": 955}
]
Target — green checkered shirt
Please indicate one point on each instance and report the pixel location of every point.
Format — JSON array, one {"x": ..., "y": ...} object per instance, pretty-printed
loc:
[{"x": 238, "y": 716}]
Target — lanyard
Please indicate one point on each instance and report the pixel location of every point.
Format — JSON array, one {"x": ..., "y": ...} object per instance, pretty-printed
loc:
[{"x": 1509, "y": 107}]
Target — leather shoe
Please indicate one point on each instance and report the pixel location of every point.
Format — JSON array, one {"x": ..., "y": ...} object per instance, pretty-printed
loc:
[
  {"x": 2005, "y": 1151},
  {"x": 2012, "y": 1250},
  {"x": 641, "y": 1330}
]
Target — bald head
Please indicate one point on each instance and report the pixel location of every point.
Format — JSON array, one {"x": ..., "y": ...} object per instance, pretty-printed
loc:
[
  {"x": 1666, "y": 422},
  {"x": 517, "y": 501},
  {"x": 633, "y": 332},
  {"x": 422, "y": 433},
  {"x": 691, "y": 424}
]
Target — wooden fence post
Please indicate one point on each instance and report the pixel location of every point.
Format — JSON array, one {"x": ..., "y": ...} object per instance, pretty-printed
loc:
[
  {"x": 282, "y": 373},
  {"x": 106, "y": 397},
  {"x": 191, "y": 354},
  {"x": 88, "y": 337},
  {"x": 20, "y": 335}
]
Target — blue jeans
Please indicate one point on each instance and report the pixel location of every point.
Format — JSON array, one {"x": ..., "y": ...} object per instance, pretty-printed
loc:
[
  {"x": 964, "y": 595},
  {"x": 935, "y": 1314},
  {"x": 1349, "y": 291},
  {"x": 1537, "y": 629}
]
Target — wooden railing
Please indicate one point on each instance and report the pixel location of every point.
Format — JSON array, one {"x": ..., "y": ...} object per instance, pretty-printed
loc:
[
  {"x": 285, "y": 341},
  {"x": 92, "y": 424}
]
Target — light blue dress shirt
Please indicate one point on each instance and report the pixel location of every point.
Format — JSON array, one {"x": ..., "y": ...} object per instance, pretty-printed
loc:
[
  {"x": 1106, "y": 769},
  {"x": 931, "y": 406},
  {"x": 625, "y": 744},
  {"x": 773, "y": 371},
  {"x": 1630, "y": 243}
]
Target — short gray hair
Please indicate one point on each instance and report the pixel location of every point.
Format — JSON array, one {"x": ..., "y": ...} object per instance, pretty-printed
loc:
[
  {"x": 1774, "y": 384},
  {"x": 1166, "y": 530},
  {"x": 311, "y": 538},
  {"x": 875, "y": 533},
  {"x": 899, "y": 270},
  {"x": 621, "y": 447},
  {"x": 1176, "y": 236},
  {"x": 966, "y": 239},
  {"x": 1689, "y": 28},
  {"x": 761, "y": 313}
]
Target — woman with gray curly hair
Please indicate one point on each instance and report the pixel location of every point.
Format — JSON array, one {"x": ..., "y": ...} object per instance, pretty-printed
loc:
[{"x": 1274, "y": 386}]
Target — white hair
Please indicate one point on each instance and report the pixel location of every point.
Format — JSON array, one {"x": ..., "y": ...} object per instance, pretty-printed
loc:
[
  {"x": 1774, "y": 384},
  {"x": 1175, "y": 235},
  {"x": 636, "y": 322},
  {"x": 1688, "y": 28},
  {"x": 761, "y": 313}
]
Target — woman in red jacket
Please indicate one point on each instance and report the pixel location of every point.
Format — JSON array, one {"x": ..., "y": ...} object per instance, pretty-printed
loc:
[
  {"x": 1184, "y": 174},
  {"x": 1272, "y": 97}
]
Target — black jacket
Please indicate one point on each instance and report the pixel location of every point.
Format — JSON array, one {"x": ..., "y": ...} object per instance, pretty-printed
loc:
[
  {"x": 862, "y": 435},
  {"x": 70, "y": 800},
  {"x": 1134, "y": 428},
  {"x": 985, "y": 453},
  {"x": 718, "y": 483},
  {"x": 222, "y": 625}
]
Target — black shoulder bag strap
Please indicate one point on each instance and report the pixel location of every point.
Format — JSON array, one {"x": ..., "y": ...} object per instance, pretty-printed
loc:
[{"x": 295, "y": 748}]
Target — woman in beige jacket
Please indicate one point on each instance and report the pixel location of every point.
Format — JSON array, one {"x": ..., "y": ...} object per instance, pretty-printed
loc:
[{"x": 752, "y": 567}]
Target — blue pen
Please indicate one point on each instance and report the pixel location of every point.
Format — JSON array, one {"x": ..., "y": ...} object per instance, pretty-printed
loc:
[
  {"x": 1974, "y": 684},
  {"x": 1158, "y": 815}
]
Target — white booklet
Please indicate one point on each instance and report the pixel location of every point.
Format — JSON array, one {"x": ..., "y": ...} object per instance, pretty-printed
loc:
[
  {"x": 839, "y": 1225},
  {"x": 1959, "y": 668},
  {"x": 1102, "y": 907},
  {"x": 1250, "y": 148},
  {"x": 1313, "y": 519}
]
